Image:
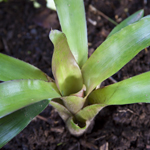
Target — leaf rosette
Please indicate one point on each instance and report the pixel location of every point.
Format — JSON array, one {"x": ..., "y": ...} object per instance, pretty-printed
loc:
[{"x": 27, "y": 90}]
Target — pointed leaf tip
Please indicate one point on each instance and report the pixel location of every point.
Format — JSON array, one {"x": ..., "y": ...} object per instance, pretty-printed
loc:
[
  {"x": 131, "y": 19},
  {"x": 55, "y": 35},
  {"x": 129, "y": 91},
  {"x": 14, "y": 69},
  {"x": 115, "y": 52}
]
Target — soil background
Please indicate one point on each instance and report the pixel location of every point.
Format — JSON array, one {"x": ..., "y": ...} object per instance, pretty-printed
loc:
[{"x": 24, "y": 34}]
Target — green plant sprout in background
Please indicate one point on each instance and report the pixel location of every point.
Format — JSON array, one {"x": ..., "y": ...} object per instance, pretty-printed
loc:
[
  {"x": 3, "y": 0},
  {"x": 49, "y": 4},
  {"x": 27, "y": 90}
]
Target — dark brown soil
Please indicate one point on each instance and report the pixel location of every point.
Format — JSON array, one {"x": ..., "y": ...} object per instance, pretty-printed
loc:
[{"x": 24, "y": 34}]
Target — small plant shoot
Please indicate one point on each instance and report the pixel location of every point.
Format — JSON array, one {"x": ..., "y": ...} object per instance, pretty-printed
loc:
[{"x": 26, "y": 90}]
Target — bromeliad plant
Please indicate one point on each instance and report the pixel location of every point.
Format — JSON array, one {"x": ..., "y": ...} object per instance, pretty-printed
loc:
[{"x": 27, "y": 90}]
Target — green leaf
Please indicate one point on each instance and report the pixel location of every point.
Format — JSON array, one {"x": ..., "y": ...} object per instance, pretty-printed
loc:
[
  {"x": 89, "y": 112},
  {"x": 14, "y": 69},
  {"x": 133, "y": 18},
  {"x": 132, "y": 90},
  {"x": 115, "y": 52},
  {"x": 20, "y": 93},
  {"x": 62, "y": 110},
  {"x": 12, "y": 124},
  {"x": 65, "y": 69},
  {"x": 73, "y": 103},
  {"x": 71, "y": 14}
]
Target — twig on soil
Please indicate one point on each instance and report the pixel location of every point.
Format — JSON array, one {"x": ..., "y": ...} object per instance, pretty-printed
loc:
[
  {"x": 57, "y": 130},
  {"x": 104, "y": 146},
  {"x": 102, "y": 14},
  {"x": 6, "y": 46},
  {"x": 94, "y": 23},
  {"x": 42, "y": 118},
  {"x": 146, "y": 50},
  {"x": 112, "y": 79},
  {"x": 99, "y": 138},
  {"x": 127, "y": 110},
  {"x": 88, "y": 145}
]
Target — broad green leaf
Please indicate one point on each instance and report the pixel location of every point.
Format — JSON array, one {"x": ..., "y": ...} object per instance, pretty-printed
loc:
[
  {"x": 71, "y": 14},
  {"x": 115, "y": 52},
  {"x": 15, "y": 122},
  {"x": 14, "y": 69},
  {"x": 20, "y": 93},
  {"x": 62, "y": 110},
  {"x": 133, "y": 18},
  {"x": 132, "y": 90},
  {"x": 73, "y": 103},
  {"x": 65, "y": 69},
  {"x": 89, "y": 112},
  {"x": 75, "y": 129}
]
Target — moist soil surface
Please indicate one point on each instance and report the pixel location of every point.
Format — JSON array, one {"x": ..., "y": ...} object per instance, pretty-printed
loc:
[{"x": 24, "y": 34}]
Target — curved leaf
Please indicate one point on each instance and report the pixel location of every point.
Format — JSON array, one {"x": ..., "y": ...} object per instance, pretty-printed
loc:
[
  {"x": 89, "y": 112},
  {"x": 133, "y": 18},
  {"x": 12, "y": 124},
  {"x": 75, "y": 129},
  {"x": 132, "y": 90},
  {"x": 65, "y": 114},
  {"x": 74, "y": 103},
  {"x": 20, "y": 93},
  {"x": 115, "y": 52},
  {"x": 71, "y": 14},
  {"x": 83, "y": 120},
  {"x": 62, "y": 110},
  {"x": 14, "y": 69},
  {"x": 65, "y": 69}
]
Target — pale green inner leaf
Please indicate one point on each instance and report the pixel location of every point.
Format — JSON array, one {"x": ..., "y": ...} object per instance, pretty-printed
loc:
[
  {"x": 62, "y": 110},
  {"x": 65, "y": 69},
  {"x": 73, "y": 103}
]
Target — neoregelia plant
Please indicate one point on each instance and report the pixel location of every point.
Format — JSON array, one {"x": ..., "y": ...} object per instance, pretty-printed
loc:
[{"x": 27, "y": 90}]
